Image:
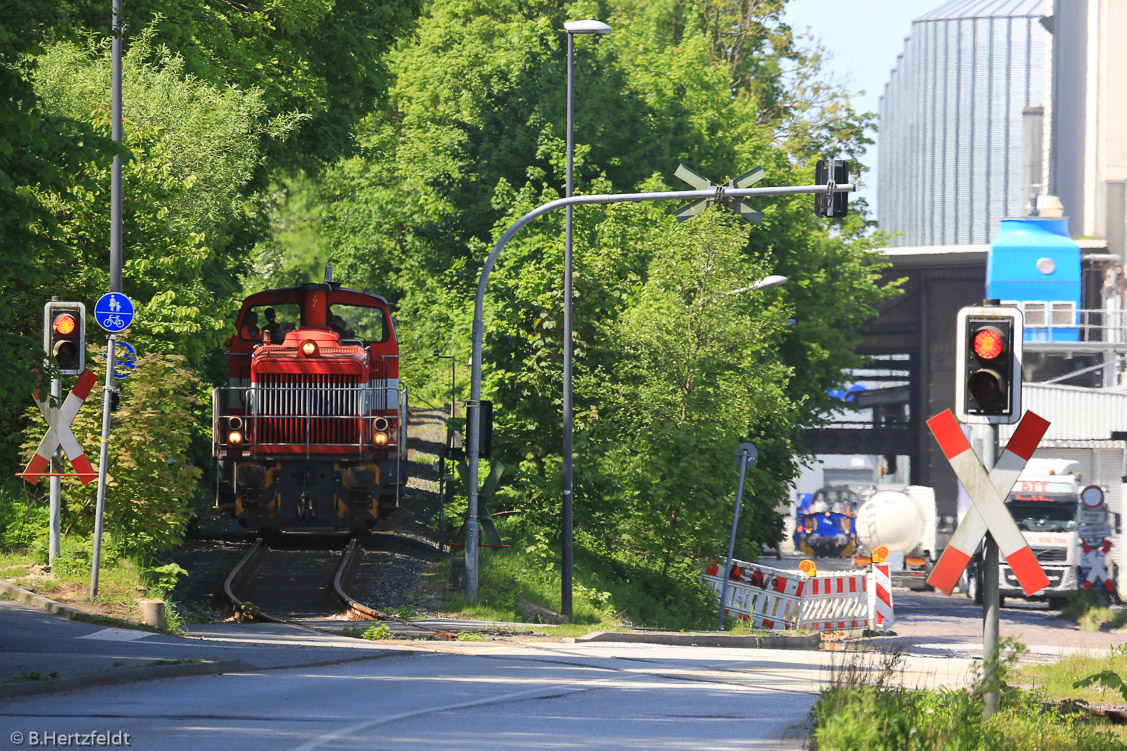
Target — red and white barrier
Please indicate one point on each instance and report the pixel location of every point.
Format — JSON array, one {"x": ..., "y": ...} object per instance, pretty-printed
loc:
[
  {"x": 774, "y": 599},
  {"x": 880, "y": 596},
  {"x": 836, "y": 602},
  {"x": 768, "y": 597}
]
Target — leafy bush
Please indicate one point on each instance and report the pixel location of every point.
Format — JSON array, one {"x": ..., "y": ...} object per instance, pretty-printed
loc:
[
  {"x": 150, "y": 480},
  {"x": 23, "y": 519}
]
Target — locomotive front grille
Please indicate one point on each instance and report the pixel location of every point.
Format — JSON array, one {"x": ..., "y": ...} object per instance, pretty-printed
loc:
[{"x": 308, "y": 409}]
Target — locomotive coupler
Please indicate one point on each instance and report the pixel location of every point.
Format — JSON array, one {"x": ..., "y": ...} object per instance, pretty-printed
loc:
[{"x": 306, "y": 507}]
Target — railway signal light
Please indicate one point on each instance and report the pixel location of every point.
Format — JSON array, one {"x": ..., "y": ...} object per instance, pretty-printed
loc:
[
  {"x": 836, "y": 171},
  {"x": 988, "y": 365},
  {"x": 64, "y": 336}
]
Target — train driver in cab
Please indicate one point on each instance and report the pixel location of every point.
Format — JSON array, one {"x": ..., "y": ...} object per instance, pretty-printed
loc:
[{"x": 250, "y": 330}]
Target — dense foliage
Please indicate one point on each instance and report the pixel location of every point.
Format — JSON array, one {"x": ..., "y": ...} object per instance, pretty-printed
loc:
[
  {"x": 397, "y": 143},
  {"x": 150, "y": 473}
]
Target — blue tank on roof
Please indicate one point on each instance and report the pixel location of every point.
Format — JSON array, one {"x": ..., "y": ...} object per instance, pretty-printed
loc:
[{"x": 1035, "y": 264}]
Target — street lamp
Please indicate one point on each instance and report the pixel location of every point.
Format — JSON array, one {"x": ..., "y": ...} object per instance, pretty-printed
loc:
[
  {"x": 768, "y": 281},
  {"x": 572, "y": 28}
]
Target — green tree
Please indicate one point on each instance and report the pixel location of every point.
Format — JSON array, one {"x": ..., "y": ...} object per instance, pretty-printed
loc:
[
  {"x": 191, "y": 150},
  {"x": 695, "y": 371},
  {"x": 473, "y": 138},
  {"x": 38, "y": 152},
  {"x": 324, "y": 59},
  {"x": 150, "y": 480}
]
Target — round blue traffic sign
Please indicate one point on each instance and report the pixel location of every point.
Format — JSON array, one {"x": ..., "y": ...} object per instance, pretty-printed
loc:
[
  {"x": 124, "y": 360},
  {"x": 114, "y": 312}
]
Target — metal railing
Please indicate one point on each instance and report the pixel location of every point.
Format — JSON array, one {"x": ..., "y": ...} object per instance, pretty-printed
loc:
[{"x": 1049, "y": 322}]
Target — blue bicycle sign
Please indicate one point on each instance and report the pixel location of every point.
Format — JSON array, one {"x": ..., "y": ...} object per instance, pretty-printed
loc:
[
  {"x": 125, "y": 360},
  {"x": 114, "y": 312}
]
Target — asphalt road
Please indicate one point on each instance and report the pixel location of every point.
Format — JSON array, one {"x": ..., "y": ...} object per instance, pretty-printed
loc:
[
  {"x": 465, "y": 696},
  {"x": 304, "y": 690},
  {"x": 296, "y": 689}
]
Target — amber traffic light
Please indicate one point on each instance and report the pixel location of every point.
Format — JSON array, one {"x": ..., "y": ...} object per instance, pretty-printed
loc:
[{"x": 64, "y": 336}]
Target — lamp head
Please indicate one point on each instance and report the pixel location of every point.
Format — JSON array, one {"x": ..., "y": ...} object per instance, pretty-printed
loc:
[
  {"x": 586, "y": 27},
  {"x": 770, "y": 281}
]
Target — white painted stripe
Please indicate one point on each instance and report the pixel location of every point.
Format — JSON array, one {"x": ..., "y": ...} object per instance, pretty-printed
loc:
[
  {"x": 989, "y": 503},
  {"x": 117, "y": 634},
  {"x": 545, "y": 692},
  {"x": 71, "y": 446}
]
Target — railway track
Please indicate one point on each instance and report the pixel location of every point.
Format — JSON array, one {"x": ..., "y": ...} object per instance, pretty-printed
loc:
[{"x": 304, "y": 587}]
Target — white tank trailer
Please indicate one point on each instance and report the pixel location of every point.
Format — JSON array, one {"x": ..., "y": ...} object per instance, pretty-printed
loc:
[{"x": 901, "y": 518}]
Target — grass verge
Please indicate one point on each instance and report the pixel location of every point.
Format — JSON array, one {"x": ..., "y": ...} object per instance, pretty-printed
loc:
[
  {"x": 866, "y": 707},
  {"x": 1056, "y": 680},
  {"x": 1086, "y": 610},
  {"x": 122, "y": 583},
  {"x": 522, "y": 584}
]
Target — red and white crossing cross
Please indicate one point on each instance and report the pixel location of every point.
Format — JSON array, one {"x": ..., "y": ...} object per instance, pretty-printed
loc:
[
  {"x": 59, "y": 433},
  {"x": 988, "y": 512}
]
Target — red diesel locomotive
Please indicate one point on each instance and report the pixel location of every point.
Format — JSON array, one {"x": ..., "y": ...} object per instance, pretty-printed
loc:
[{"x": 311, "y": 431}]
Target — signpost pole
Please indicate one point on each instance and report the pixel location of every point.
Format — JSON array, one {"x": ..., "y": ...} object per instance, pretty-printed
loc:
[
  {"x": 991, "y": 601},
  {"x": 748, "y": 455},
  {"x": 103, "y": 462},
  {"x": 113, "y": 312}
]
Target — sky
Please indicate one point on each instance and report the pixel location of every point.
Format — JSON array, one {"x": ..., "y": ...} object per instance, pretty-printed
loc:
[{"x": 864, "y": 37}]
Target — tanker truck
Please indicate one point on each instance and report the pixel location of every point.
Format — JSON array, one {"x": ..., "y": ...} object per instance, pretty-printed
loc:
[{"x": 902, "y": 519}]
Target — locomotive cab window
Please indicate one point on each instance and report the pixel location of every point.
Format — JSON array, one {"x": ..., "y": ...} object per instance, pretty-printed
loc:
[
  {"x": 358, "y": 322},
  {"x": 276, "y": 320}
]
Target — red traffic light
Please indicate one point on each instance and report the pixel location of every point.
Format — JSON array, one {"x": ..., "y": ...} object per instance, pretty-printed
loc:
[
  {"x": 65, "y": 324},
  {"x": 989, "y": 344}
]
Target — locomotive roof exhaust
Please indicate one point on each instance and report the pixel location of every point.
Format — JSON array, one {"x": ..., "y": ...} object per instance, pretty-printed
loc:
[{"x": 328, "y": 274}]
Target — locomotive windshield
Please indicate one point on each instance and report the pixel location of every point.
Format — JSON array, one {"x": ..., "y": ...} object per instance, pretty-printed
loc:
[
  {"x": 358, "y": 322},
  {"x": 277, "y": 319}
]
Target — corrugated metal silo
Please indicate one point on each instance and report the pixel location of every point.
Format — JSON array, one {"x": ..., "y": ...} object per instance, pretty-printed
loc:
[{"x": 949, "y": 148}]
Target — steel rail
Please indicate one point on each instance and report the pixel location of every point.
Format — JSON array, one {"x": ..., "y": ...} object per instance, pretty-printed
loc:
[
  {"x": 350, "y": 562},
  {"x": 346, "y": 569}
]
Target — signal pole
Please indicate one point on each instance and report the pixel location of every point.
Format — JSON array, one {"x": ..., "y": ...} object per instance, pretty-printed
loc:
[{"x": 991, "y": 600}]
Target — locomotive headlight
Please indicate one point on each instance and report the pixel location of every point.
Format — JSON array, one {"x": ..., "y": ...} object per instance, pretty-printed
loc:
[
  {"x": 309, "y": 348},
  {"x": 380, "y": 439},
  {"x": 235, "y": 438}
]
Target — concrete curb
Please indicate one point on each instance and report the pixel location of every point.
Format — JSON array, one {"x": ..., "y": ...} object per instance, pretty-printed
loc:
[
  {"x": 121, "y": 676},
  {"x": 19, "y": 594},
  {"x": 754, "y": 641}
]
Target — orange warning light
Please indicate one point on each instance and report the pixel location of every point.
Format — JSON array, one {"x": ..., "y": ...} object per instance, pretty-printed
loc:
[
  {"x": 880, "y": 554},
  {"x": 65, "y": 324},
  {"x": 808, "y": 567}
]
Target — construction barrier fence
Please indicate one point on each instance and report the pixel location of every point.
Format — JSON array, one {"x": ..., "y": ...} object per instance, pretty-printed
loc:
[{"x": 775, "y": 599}]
